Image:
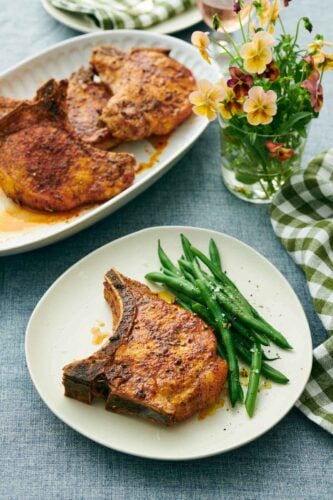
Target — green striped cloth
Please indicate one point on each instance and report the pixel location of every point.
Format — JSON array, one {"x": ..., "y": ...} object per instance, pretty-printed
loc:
[
  {"x": 130, "y": 14},
  {"x": 302, "y": 218}
]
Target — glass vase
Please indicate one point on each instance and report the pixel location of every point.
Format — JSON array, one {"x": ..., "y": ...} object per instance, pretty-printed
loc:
[{"x": 255, "y": 166}]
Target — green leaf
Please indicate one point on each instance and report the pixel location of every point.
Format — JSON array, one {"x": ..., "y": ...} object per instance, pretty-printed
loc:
[
  {"x": 302, "y": 115},
  {"x": 246, "y": 178},
  {"x": 252, "y": 138}
]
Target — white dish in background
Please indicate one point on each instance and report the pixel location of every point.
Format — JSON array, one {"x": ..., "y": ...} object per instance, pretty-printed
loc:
[
  {"x": 59, "y": 332},
  {"x": 60, "y": 61},
  {"x": 86, "y": 24}
]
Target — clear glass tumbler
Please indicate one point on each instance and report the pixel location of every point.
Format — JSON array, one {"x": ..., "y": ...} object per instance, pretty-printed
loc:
[{"x": 252, "y": 171}]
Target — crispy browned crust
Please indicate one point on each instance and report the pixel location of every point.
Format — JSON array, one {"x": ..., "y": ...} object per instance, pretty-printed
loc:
[
  {"x": 160, "y": 364},
  {"x": 7, "y": 105},
  {"x": 85, "y": 102},
  {"x": 150, "y": 91},
  {"x": 45, "y": 166}
]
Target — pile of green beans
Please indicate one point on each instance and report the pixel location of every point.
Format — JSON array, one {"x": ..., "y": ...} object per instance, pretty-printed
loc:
[{"x": 240, "y": 330}]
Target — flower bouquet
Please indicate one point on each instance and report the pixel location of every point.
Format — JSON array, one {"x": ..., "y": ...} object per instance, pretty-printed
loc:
[{"x": 264, "y": 107}]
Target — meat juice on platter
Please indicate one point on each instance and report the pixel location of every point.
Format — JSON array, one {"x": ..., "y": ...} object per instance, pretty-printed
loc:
[{"x": 224, "y": 9}]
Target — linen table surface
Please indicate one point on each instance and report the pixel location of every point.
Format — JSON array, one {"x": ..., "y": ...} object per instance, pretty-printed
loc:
[{"x": 42, "y": 458}]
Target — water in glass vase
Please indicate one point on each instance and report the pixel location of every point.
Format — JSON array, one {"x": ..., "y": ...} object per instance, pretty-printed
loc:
[
  {"x": 251, "y": 170},
  {"x": 224, "y": 9}
]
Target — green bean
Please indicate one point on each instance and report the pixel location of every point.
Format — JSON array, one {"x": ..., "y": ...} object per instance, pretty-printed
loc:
[
  {"x": 252, "y": 390},
  {"x": 266, "y": 329},
  {"x": 258, "y": 316},
  {"x": 246, "y": 341},
  {"x": 175, "y": 284},
  {"x": 168, "y": 272},
  {"x": 227, "y": 285},
  {"x": 165, "y": 261},
  {"x": 220, "y": 351},
  {"x": 226, "y": 280},
  {"x": 188, "y": 267},
  {"x": 184, "y": 298},
  {"x": 204, "y": 314},
  {"x": 253, "y": 323},
  {"x": 194, "y": 265},
  {"x": 187, "y": 275},
  {"x": 185, "y": 264},
  {"x": 235, "y": 390},
  {"x": 186, "y": 245},
  {"x": 182, "y": 304},
  {"x": 220, "y": 275},
  {"x": 245, "y": 332},
  {"x": 215, "y": 254},
  {"x": 267, "y": 370}
]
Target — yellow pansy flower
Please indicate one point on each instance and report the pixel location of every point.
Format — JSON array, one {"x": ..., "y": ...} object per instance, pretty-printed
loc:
[
  {"x": 207, "y": 98},
  {"x": 200, "y": 40},
  {"x": 273, "y": 15},
  {"x": 257, "y": 53},
  {"x": 274, "y": 11},
  {"x": 263, "y": 8},
  {"x": 323, "y": 60},
  {"x": 260, "y": 106},
  {"x": 268, "y": 13},
  {"x": 317, "y": 45}
]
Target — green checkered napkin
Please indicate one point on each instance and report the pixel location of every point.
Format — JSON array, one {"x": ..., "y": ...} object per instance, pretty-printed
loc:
[
  {"x": 130, "y": 14},
  {"x": 302, "y": 217}
]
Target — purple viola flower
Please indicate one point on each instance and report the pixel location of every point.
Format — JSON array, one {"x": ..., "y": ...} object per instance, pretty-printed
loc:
[{"x": 239, "y": 82}]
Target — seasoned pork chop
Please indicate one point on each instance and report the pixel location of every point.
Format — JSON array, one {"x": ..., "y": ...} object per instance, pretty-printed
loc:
[
  {"x": 160, "y": 364},
  {"x": 150, "y": 91},
  {"x": 7, "y": 105},
  {"x": 85, "y": 102},
  {"x": 45, "y": 166}
]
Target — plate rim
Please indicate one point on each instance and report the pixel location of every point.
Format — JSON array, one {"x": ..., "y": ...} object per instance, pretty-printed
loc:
[
  {"x": 110, "y": 206},
  {"x": 51, "y": 11},
  {"x": 307, "y": 368}
]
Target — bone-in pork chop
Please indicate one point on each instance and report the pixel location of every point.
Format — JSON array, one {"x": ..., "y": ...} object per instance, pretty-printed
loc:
[
  {"x": 150, "y": 91},
  {"x": 45, "y": 166},
  {"x": 85, "y": 102},
  {"x": 7, "y": 105},
  {"x": 160, "y": 364}
]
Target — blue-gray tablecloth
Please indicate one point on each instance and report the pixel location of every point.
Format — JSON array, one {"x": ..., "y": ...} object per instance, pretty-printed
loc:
[{"x": 42, "y": 458}]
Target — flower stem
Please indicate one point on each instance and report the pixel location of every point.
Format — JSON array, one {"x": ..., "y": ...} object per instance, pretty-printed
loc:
[
  {"x": 297, "y": 32},
  {"x": 241, "y": 26},
  {"x": 264, "y": 189},
  {"x": 231, "y": 41},
  {"x": 230, "y": 54},
  {"x": 282, "y": 26}
]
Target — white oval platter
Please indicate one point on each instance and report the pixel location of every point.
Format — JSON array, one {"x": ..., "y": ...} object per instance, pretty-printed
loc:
[{"x": 59, "y": 62}]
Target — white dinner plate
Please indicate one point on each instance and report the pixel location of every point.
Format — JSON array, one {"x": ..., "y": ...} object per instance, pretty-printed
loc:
[
  {"x": 87, "y": 25},
  {"x": 59, "y": 62},
  {"x": 59, "y": 332}
]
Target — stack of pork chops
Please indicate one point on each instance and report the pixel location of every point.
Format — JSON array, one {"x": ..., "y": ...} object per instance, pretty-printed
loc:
[{"x": 53, "y": 149}]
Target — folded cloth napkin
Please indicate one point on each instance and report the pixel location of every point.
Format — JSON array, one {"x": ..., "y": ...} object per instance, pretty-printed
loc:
[
  {"x": 302, "y": 218},
  {"x": 130, "y": 14}
]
